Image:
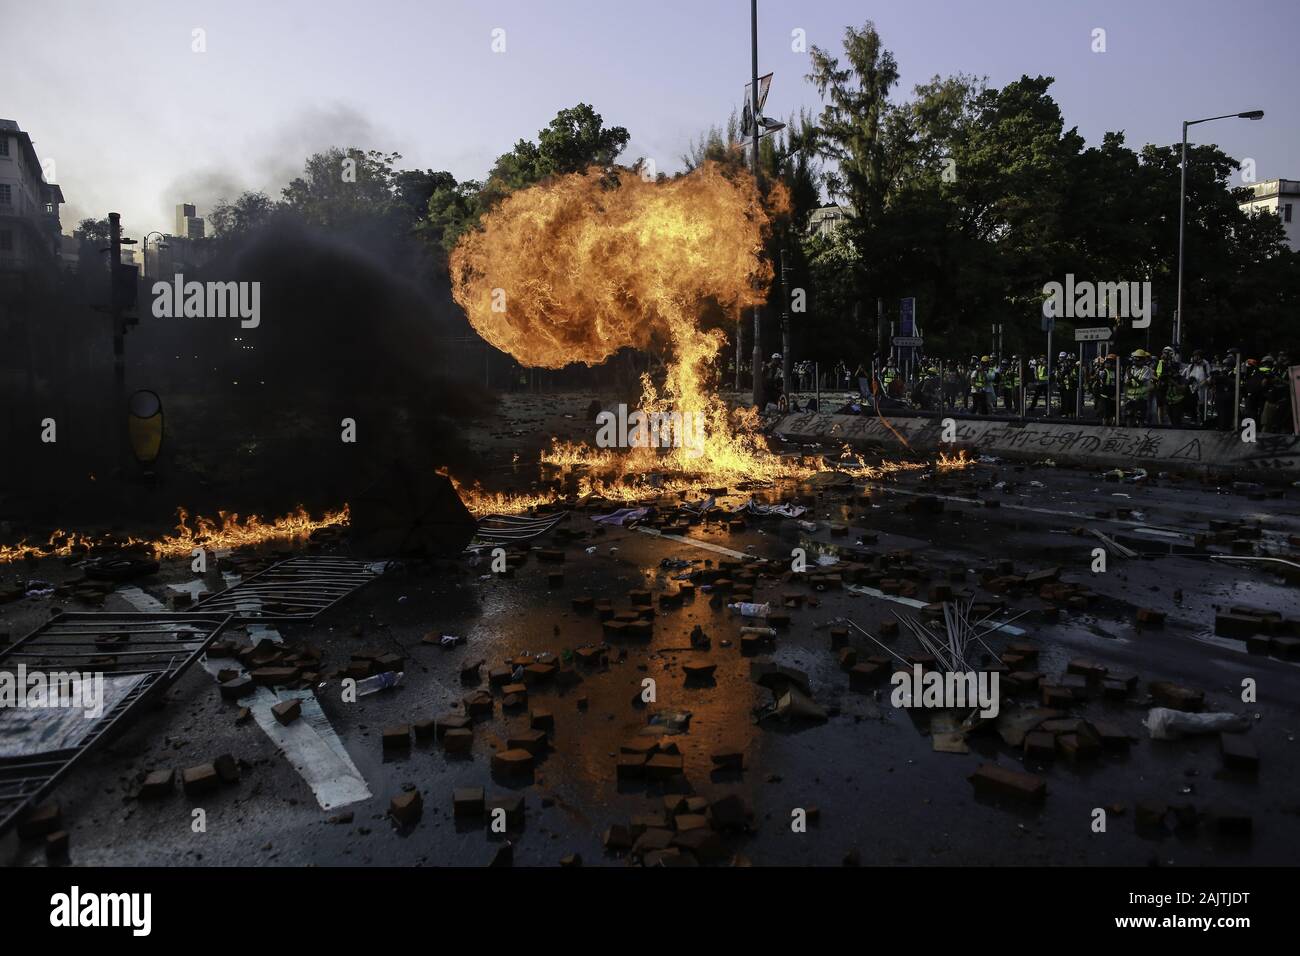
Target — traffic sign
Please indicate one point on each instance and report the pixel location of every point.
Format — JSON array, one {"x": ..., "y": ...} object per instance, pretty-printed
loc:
[
  {"x": 908, "y": 341},
  {"x": 1101, "y": 334},
  {"x": 907, "y": 317}
]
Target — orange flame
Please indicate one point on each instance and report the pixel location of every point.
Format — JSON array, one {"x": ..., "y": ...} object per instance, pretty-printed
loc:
[
  {"x": 575, "y": 268},
  {"x": 225, "y": 531}
]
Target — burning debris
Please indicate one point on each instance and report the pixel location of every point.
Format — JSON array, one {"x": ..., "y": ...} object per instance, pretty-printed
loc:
[
  {"x": 629, "y": 262},
  {"x": 226, "y": 531}
]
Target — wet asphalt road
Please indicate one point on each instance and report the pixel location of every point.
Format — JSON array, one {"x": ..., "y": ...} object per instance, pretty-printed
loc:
[{"x": 870, "y": 770}]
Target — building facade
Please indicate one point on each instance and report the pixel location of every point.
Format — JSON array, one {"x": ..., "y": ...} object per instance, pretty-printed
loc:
[
  {"x": 1281, "y": 197},
  {"x": 189, "y": 225},
  {"x": 826, "y": 220},
  {"x": 30, "y": 235}
]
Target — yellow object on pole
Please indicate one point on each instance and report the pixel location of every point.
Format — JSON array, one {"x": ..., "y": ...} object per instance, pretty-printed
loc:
[{"x": 145, "y": 426}]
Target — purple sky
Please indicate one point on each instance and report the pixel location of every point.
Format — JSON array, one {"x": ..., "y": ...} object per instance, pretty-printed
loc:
[{"x": 136, "y": 122}]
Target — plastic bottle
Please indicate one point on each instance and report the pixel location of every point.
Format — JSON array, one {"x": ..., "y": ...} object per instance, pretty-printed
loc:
[
  {"x": 379, "y": 682},
  {"x": 746, "y": 609}
]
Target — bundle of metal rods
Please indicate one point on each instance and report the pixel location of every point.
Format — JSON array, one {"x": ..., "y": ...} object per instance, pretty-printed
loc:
[{"x": 955, "y": 645}]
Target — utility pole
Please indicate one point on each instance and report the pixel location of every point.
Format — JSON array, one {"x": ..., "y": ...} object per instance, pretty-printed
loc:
[
  {"x": 753, "y": 101},
  {"x": 115, "y": 306},
  {"x": 880, "y": 334},
  {"x": 787, "y": 387}
]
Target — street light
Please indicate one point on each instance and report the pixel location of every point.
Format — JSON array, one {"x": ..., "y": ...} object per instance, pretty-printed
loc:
[
  {"x": 158, "y": 246},
  {"x": 1182, "y": 209}
]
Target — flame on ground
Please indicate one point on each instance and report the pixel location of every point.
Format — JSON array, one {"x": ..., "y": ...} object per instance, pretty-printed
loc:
[
  {"x": 580, "y": 266},
  {"x": 621, "y": 489},
  {"x": 227, "y": 530}
]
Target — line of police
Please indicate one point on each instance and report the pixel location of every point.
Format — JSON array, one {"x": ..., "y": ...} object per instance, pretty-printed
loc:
[{"x": 1150, "y": 389}]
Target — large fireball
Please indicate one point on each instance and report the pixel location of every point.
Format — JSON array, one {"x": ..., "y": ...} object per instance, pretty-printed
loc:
[{"x": 580, "y": 266}]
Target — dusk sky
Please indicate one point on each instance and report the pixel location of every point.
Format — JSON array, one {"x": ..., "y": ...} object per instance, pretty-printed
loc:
[{"x": 136, "y": 122}]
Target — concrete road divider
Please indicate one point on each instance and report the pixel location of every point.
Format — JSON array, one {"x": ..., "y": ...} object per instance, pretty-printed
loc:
[{"x": 1270, "y": 458}]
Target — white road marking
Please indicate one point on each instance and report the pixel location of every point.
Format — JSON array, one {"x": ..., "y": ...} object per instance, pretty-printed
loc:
[
  {"x": 310, "y": 744},
  {"x": 138, "y": 599},
  {"x": 312, "y": 748},
  {"x": 706, "y": 545}
]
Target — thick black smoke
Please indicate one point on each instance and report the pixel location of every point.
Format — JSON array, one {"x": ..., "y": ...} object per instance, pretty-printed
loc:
[{"x": 353, "y": 325}]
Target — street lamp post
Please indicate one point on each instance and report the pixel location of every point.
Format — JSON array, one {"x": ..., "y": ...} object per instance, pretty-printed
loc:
[
  {"x": 1182, "y": 210},
  {"x": 144, "y": 253}
]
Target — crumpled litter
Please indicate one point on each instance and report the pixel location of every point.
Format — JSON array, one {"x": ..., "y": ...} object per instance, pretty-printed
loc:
[
  {"x": 622, "y": 516},
  {"x": 1166, "y": 724},
  {"x": 673, "y": 721},
  {"x": 698, "y": 507},
  {"x": 785, "y": 511}
]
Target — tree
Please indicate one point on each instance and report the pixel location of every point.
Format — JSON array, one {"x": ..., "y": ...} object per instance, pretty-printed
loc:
[
  {"x": 343, "y": 188},
  {"x": 851, "y": 131},
  {"x": 574, "y": 141},
  {"x": 413, "y": 188},
  {"x": 234, "y": 220},
  {"x": 722, "y": 145}
]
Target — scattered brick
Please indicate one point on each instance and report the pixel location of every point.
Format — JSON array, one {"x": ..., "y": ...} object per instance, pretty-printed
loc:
[
  {"x": 513, "y": 762},
  {"x": 1146, "y": 617},
  {"x": 397, "y": 737},
  {"x": 534, "y": 741},
  {"x": 1040, "y": 745},
  {"x": 513, "y": 807},
  {"x": 160, "y": 783},
  {"x": 705, "y": 845},
  {"x": 995, "y": 781},
  {"x": 287, "y": 711},
  {"x": 237, "y": 687},
  {"x": 467, "y": 802},
  {"x": 1176, "y": 697},
  {"x": 446, "y": 722},
  {"x": 199, "y": 780},
  {"x": 631, "y": 766},
  {"x": 1239, "y": 753},
  {"x": 407, "y": 808},
  {"x": 227, "y": 768},
  {"x": 274, "y": 676}
]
